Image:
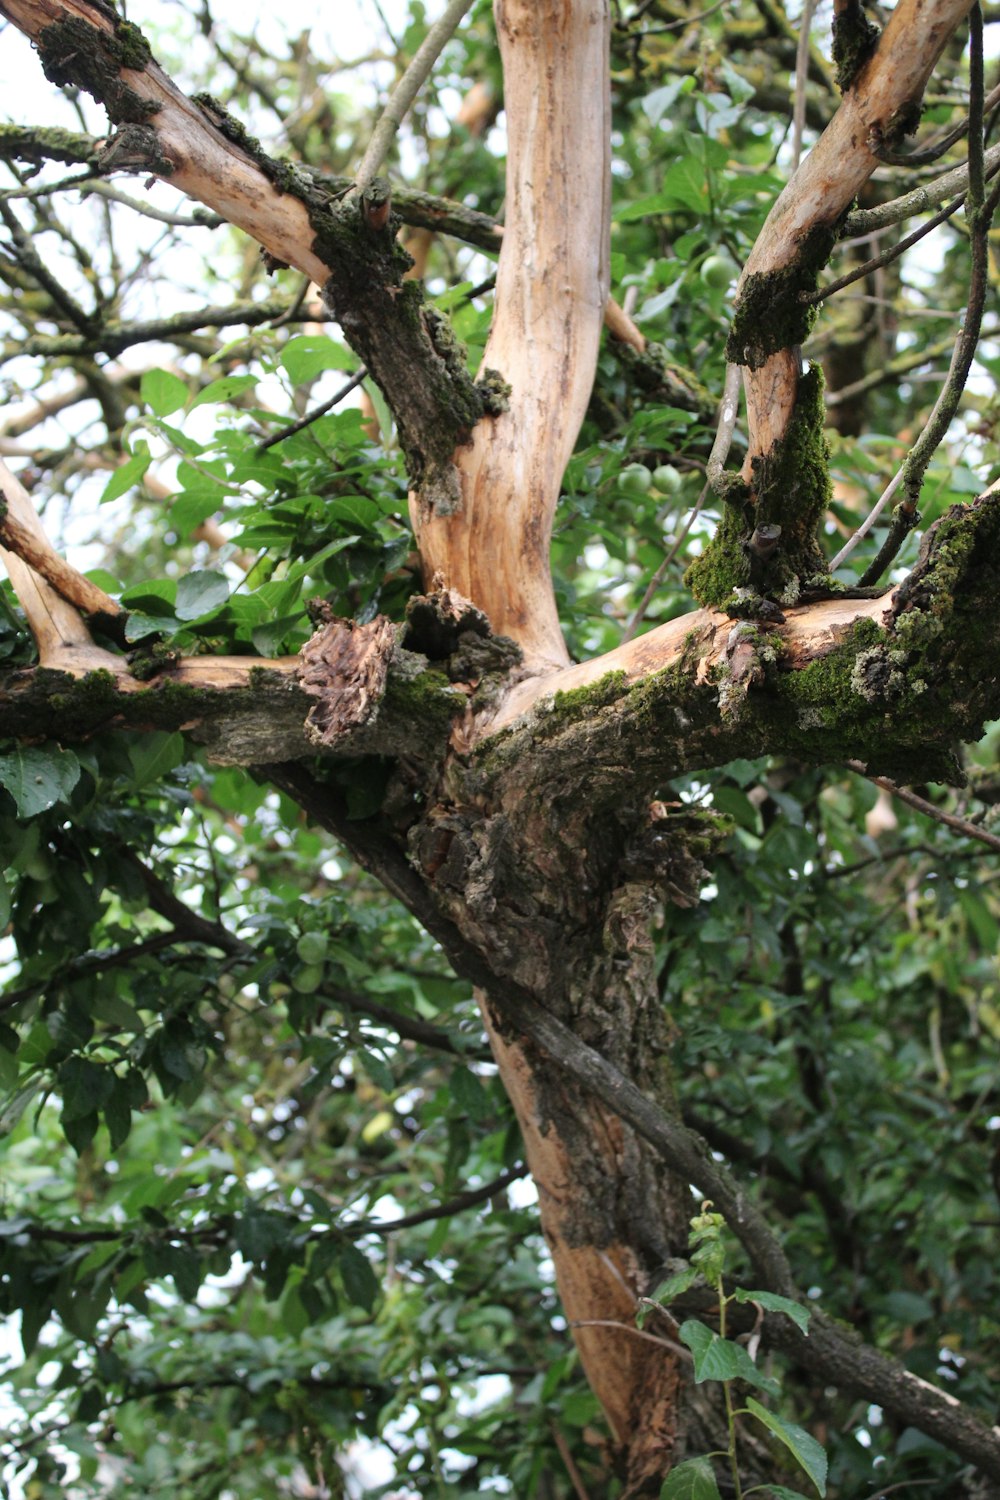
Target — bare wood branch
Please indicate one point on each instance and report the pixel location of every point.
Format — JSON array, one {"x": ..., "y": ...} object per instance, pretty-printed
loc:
[
  {"x": 21, "y": 533},
  {"x": 407, "y": 90},
  {"x": 829, "y": 180},
  {"x": 552, "y": 287}
]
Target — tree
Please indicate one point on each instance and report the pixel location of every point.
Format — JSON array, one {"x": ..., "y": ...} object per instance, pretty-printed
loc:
[{"x": 273, "y": 814}]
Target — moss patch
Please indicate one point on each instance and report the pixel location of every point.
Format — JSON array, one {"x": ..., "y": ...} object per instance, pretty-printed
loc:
[
  {"x": 769, "y": 315},
  {"x": 74, "y": 53},
  {"x": 791, "y": 491},
  {"x": 854, "y": 40}
]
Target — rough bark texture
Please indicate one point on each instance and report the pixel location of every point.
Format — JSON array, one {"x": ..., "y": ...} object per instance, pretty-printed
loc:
[{"x": 529, "y": 823}]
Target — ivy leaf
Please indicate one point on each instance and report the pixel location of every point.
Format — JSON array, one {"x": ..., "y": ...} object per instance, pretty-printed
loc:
[
  {"x": 773, "y": 1303},
  {"x": 38, "y": 778},
  {"x": 803, "y": 1447},
  {"x": 199, "y": 593},
  {"x": 691, "y": 1480},
  {"x": 716, "y": 1358}
]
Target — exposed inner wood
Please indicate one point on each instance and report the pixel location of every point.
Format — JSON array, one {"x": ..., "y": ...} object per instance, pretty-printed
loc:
[
  {"x": 552, "y": 286},
  {"x": 831, "y": 176}
]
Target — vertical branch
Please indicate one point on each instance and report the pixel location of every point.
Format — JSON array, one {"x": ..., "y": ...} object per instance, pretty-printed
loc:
[
  {"x": 552, "y": 285},
  {"x": 881, "y": 103}
]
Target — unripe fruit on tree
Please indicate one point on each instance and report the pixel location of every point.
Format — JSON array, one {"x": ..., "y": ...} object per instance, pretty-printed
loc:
[
  {"x": 717, "y": 271},
  {"x": 635, "y": 479},
  {"x": 667, "y": 479},
  {"x": 307, "y": 979}
]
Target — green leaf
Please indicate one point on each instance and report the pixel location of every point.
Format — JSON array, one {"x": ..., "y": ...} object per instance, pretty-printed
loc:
[
  {"x": 310, "y": 354},
  {"x": 138, "y": 626},
  {"x": 773, "y": 1303},
  {"x": 675, "y": 1285},
  {"x": 223, "y": 389},
  {"x": 691, "y": 1480},
  {"x": 128, "y": 473},
  {"x": 803, "y": 1448},
  {"x": 198, "y": 594},
  {"x": 38, "y": 778},
  {"x": 359, "y": 1279},
  {"x": 154, "y": 755},
  {"x": 163, "y": 392},
  {"x": 716, "y": 1358}
]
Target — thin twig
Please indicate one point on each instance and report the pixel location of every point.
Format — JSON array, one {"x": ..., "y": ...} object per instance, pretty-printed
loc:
[
  {"x": 576, "y": 1479},
  {"x": 869, "y": 521},
  {"x": 867, "y": 221},
  {"x": 202, "y": 218},
  {"x": 914, "y": 467},
  {"x": 960, "y": 825},
  {"x": 406, "y": 91},
  {"x": 937, "y": 149},
  {"x": 728, "y": 410},
  {"x": 317, "y": 412},
  {"x": 887, "y": 257},
  {"x": 801, "y": 73},
  {"x": 639, "y": 1333},
  {"x": 658, "y": 576}
]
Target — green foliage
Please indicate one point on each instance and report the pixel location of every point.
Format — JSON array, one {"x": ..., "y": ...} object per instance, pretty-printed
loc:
[{"x": 228, "y": 1061}]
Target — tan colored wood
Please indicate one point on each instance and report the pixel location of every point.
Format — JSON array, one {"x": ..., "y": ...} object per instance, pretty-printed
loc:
[
  {"x": 831, "y": 176},
  {"x": 552, "y": 286},
  {"x": 808, "y": 632}
]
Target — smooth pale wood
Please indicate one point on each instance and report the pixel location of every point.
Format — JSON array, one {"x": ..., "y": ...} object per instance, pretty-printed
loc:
[
  {"x": 807, "y": 633},
  {"x": 831, "y": 176},
  {"x": 206, "y": 166},
  {"x": 552, "y": 287},
  {"x": 22, "y": 534}
]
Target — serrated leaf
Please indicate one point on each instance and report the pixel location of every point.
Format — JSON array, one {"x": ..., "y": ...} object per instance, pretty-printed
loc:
[
  {"x": 773, "y": 1303},
  {"x": 716, "y": 1358},
  {"x": 199, "y": 593},
  {"x": 163, "y": 392},
  {"x": 38, "y": 778},
  {"x": 127, "y": 474},
  {"x": 802, "y": 1446},
  {"x": 691, "y": 1480}
]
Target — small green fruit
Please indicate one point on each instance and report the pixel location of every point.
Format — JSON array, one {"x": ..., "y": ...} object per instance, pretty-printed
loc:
[
  {"x": 307, "y": 979},
  {"x": 717, "y": 271},
  {"x": 311, "y": 947},
  {"x": 667, "y": 480},
  {"x": 635, "y": 479}
]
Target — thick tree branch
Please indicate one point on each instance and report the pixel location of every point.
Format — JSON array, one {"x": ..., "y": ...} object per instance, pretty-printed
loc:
[
  {"x": 801, "y": 229},
  {"x": 552, "y": 285}
]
